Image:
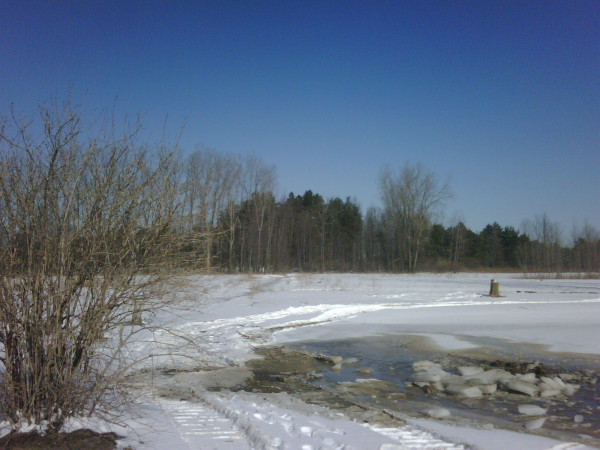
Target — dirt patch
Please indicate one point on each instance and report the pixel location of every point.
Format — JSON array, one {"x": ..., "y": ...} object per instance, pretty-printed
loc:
[
  {"x": 313, "y": 380},
  {"x": 280, "y": 366},
  {"x": 225, "y": 378},
  {"x": 77, "y": 440}
]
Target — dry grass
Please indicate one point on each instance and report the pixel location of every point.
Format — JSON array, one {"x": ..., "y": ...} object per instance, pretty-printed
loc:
[{"x": 562, "y": 276}]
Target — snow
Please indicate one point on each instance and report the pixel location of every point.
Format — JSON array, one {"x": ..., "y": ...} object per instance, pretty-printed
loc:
[
  {"x": 498, "y": 439},
  {"x": 223, "y": 318}
]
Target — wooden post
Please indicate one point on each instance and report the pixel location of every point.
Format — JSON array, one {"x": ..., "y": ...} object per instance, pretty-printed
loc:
[
  {"x": 136, "y": 317},
  {"x": 495, "y": 289}
]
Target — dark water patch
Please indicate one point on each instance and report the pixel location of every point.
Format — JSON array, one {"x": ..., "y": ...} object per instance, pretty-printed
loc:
[{"x": 391, "y": 358}]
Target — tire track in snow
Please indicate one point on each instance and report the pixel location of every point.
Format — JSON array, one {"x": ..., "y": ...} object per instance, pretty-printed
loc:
[
  {"x": 292, "y": 430},
  {"x": 333, "y": 312},
  {"x": 238, "y": 331},
  {"x": 213, "y": 423},
  {"x": 413, "y": 439},
  {"x": 204, "y": 428},
  {"x": 329, "y": 312}
]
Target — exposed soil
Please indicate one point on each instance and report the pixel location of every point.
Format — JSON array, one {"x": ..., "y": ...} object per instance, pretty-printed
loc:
[
  {"x": 310, "y": 378},
  {"x": 77, "y": 440}
]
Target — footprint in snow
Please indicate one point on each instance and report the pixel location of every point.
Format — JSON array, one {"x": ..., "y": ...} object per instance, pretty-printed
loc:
[
  {"x": 308, "y": 431},
  {"x": 287, "y": 425},
  {"x": 266, "y": 418},
  {"x": 290, "y": 428}
]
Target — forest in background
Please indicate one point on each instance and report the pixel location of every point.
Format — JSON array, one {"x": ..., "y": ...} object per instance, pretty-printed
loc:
[
  {"x": 231, "y": 200},
  {"x": 225, "y": 215}
]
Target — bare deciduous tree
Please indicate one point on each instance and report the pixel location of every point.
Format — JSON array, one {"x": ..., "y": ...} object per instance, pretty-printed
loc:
[
  {"x": 410, "y": 198},
  {"x": 586, "y": 249},
  {"x": 257, "y": 184},
  {"x": 543, "y": 253},
  {"x": 86, "y": 219},
  {"x": 211, "y": 182},
  {"x": 458, "y": 237}
]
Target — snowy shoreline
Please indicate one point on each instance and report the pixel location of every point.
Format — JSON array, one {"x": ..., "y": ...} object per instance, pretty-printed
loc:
[{"x": 230, "y": 315}]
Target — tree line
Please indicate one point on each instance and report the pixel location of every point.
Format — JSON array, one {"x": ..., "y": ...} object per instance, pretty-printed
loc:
[
  {"x": 247, "y": 229},
  {"x": 224, "y": 215}
]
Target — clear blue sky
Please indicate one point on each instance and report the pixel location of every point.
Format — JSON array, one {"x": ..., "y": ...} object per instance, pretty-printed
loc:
[{"x": 503, "y": 96}]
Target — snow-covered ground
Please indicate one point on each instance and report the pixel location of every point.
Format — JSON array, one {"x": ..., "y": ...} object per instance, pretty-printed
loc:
[{"x": 224, "y": 318}]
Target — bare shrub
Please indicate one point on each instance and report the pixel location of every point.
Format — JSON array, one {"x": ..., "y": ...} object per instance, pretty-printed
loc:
[{"x": 86, "y": 232}]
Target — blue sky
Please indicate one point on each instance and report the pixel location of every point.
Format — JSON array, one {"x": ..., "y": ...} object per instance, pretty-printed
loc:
[{"x": 503, "y": 96}]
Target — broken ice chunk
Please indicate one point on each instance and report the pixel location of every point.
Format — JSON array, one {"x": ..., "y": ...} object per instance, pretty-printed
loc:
[
  {"x": 426, "y": 376},
  {"x": 438, "y": 413},
  {"x": 531, "y": 410},
  {"x": 470, "y": 370},
  {"x": 535, "y": 424},
  {"x": 424, "y": 365},
  {"x": 523, "y": 387},
  {"x": 552, "y": 384},
  {"x": 546, "y": 387},
  {"x": 549, "y": 393},
  {"x": 457, "y": 380},
  {"x": 488, "y": 388},
  {"x": 470, "y": 392},
  {"x": 527, "y": 377},
  {"x": 488, "y": 377},
  {"x": 570, "y": 389}
]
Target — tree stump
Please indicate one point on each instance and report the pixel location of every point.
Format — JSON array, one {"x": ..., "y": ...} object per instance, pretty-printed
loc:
[
  {"x": 495, "y": 289},
  {"x": 136, "y": 317}
]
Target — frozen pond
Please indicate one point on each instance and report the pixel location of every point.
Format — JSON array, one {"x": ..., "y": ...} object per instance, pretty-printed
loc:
[{"x": 391, "y": 359}]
